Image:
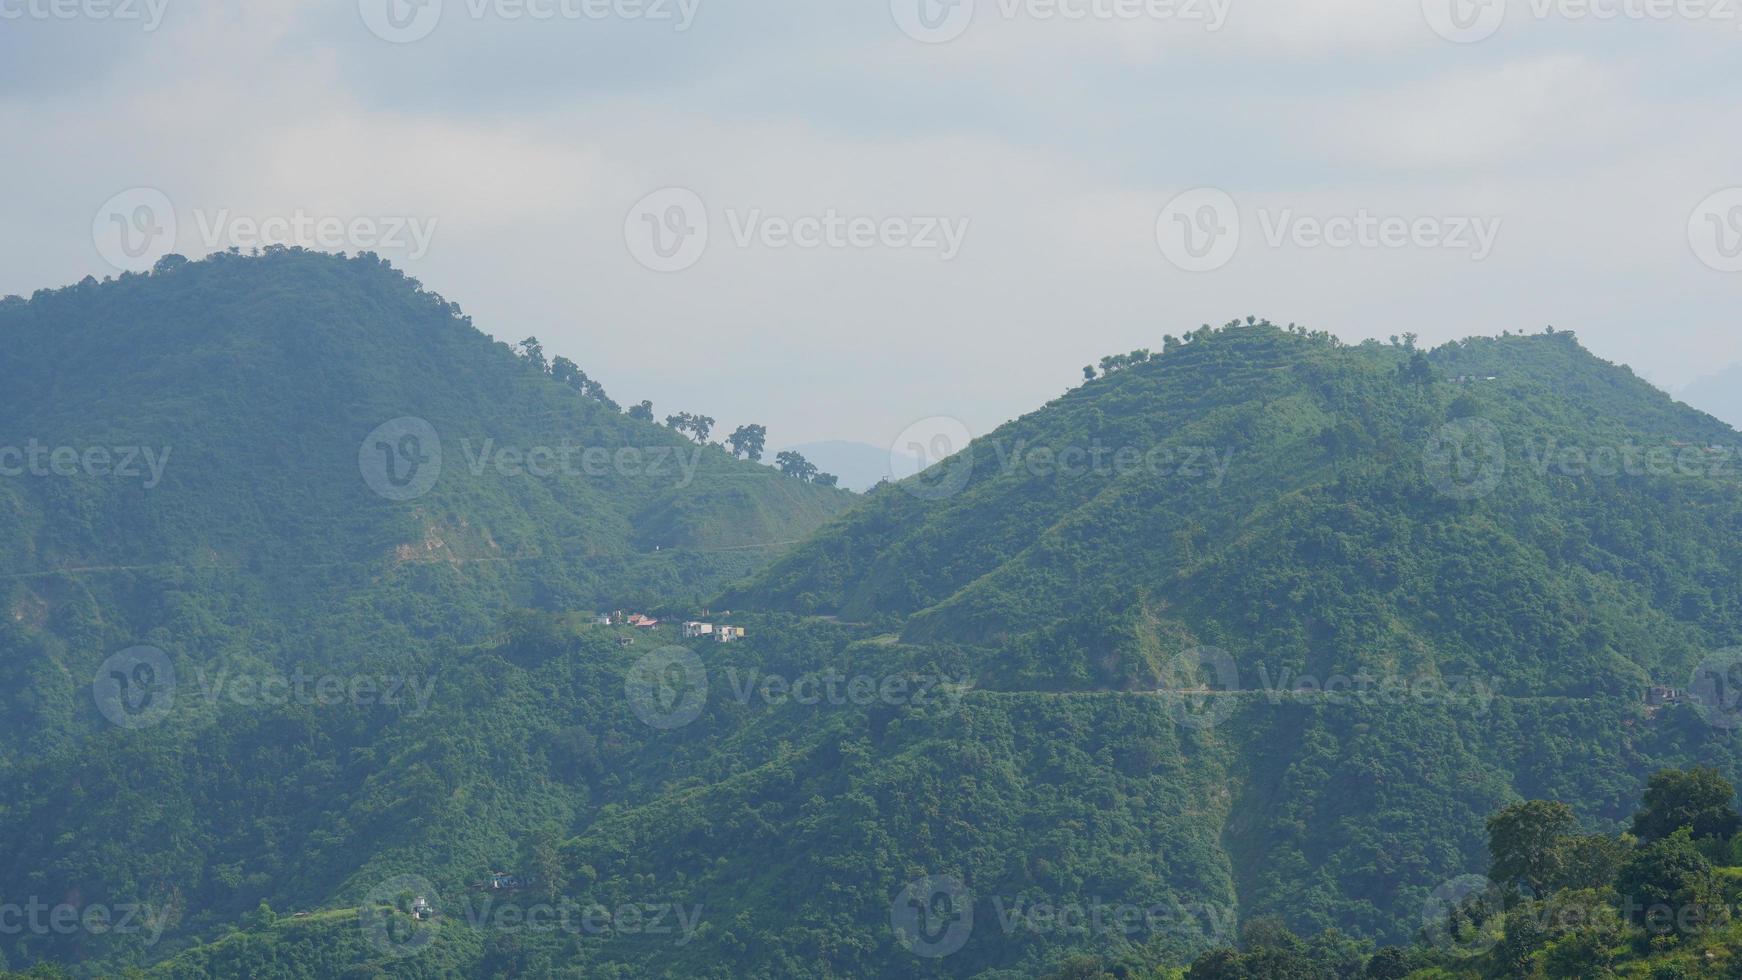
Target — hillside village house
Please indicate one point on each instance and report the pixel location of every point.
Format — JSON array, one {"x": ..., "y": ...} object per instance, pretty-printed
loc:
[{"x": 723, "y": 634}]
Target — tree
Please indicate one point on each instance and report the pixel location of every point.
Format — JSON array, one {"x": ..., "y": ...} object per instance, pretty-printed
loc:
[
  {"x": 826, "y": 480},
  {"x": 1668, "y": 884},
  {"x": 794, "y": 464},
  {"x": 1524, "y": 842},
  {"x": 643, "y": 411},
  {"x": 1589, "y": 860},
  {"x": 696, "y": 425},
  {"x": 1088, "y": 372},
  {"x": 1699, "y": 799},
  {"x": 748, "y": 441},
  {"x": 1389, "y": 963},
  {"x": 533, "y": 351},
  {"x": 567, "y": 371}
]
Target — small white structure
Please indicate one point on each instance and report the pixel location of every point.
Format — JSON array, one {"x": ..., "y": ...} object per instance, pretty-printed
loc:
[
  {"x": 693, "y": 630},
  {"x": 726, "y": 634},
  {"x": 420, "y": 908}
]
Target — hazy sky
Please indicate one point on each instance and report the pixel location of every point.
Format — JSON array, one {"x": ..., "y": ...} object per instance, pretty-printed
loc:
[{"x": 911, "y": 208}]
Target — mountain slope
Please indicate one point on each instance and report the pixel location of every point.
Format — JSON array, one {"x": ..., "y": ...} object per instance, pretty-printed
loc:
[
  {"x": 1262, "y": 628},
  {"x": 1298, "y": 502},
  {"x": 205, "y": 459}
]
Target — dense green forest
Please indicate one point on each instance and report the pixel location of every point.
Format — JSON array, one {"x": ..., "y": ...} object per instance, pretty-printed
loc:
[{"x": 1238, "y": 641}]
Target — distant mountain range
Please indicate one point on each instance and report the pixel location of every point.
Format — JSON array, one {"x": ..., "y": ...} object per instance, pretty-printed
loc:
[{"x": 1719, "y": 394}]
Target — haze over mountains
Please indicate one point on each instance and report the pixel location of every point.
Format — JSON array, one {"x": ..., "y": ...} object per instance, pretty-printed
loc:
[{"x": 1259, "y": 624}]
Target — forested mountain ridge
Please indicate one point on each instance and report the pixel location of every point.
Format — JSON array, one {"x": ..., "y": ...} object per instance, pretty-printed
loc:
[
  {"x": 307, "y": 457},
  {"x": 1262, "y": 625},
  {"x": 1301, "y": 503}
]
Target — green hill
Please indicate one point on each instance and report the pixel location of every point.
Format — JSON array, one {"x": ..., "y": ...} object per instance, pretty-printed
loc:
[
  {"x": 198, "y": 463},
  {"x": 1262, "y": 625}
]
